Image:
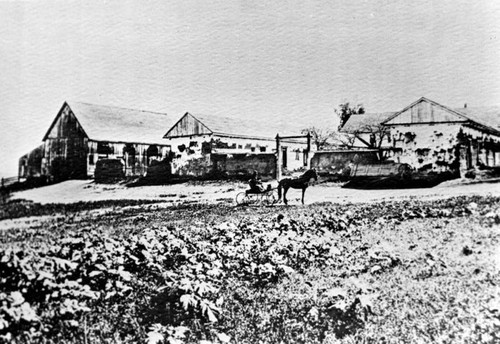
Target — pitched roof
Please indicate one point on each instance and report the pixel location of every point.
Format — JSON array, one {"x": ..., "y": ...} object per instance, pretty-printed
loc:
[
  {"x": 114, "y": 124},
  {"x": 455, "y": 115},
  {"x": 364, "y": 122},
  {"x": 486, "y": 115},
  {"x": 225, "y": 125},
  {"x": 244, "y": 127}
]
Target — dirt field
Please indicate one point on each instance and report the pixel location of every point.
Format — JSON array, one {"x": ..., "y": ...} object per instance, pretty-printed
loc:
[{"x": 384, "y": 266}]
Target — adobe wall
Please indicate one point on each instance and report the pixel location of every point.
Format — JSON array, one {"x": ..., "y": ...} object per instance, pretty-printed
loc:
[
  {"x": 434, "y": 148},
  {"x": 444, "y": 147},
  {"x": 338, "y": 163},
  {"x": 195, "y": 166},
  {"x": 214, "y": 156},
  {"x": 243, "y": 165}
]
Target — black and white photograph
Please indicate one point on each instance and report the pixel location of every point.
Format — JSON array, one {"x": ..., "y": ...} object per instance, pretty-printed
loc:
[{"x": 249, "y": 171}]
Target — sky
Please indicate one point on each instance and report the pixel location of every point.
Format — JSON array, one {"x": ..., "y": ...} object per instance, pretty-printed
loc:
[{"x": 290, "y": 60}]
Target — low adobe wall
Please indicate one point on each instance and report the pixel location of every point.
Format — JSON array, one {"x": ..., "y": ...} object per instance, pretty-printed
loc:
[
  {"x": 243, "y": 165},
  {"x": 224, "y": 165},
  {"x": 339, "y": 163}
]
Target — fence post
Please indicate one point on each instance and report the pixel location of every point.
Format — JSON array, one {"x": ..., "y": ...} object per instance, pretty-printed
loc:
[
  {"x": 278, "y": 157},
  {"x": 309, "y": 150}
]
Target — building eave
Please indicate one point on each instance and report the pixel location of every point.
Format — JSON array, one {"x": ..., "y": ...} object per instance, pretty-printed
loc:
[{"x": 125, "y": 142}]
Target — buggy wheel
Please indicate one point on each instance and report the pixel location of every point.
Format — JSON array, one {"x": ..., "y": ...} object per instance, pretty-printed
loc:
[
  {"x": 242, "y": 198},
  {"x": 269, "y": 198},
  {"x": 253, "y": 198}
]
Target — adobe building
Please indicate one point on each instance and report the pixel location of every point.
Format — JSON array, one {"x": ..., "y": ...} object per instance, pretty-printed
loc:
[
  {"x": 433, "y": 137},
  {"x": 233, "y": 145}
]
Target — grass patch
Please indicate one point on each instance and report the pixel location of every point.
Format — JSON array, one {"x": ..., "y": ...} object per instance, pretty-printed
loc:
[{"x": 22, "y": 208}]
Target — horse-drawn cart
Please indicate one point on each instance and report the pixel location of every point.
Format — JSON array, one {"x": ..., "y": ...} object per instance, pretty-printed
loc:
[
  {"x": 267, "y": 197},
  {"x": 271, "y": 196}
]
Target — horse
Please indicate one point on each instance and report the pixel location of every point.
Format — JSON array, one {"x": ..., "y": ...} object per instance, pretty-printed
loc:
[{"x": 301, "y": 182}]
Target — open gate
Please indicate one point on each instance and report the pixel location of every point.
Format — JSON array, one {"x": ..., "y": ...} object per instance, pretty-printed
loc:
[{"x": 282, "y": 152}]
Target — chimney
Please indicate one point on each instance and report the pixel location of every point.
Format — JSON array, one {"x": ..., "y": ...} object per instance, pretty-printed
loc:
[{"x": 465, "y": 106}]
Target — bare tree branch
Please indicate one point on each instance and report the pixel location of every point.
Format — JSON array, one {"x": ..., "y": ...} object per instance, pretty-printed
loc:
[{"x": 322, "y": 138}]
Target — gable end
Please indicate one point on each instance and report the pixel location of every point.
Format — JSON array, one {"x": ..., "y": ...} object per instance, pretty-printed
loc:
[
  {"x": 65, "y": 124},
  {"x": 425, "y": 111},
  {"x": 188, "y": 125}
]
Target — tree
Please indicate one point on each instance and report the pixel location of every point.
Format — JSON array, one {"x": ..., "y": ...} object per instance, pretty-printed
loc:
[
  {"x": 346, "y": 140},
  {"x": 320, "y": 137},
  {"x": 377, "y": 133},
  {"x": 345, "y": 111},
  {"x": 372, "y": 134}
]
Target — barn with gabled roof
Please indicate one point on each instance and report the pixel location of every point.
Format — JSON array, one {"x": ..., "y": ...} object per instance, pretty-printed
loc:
[{"x": 82, "y": 133}]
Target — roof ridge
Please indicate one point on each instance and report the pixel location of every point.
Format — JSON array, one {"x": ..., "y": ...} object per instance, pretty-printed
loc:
[
  {"x": 212, "y": 115},
  {"x": 479, "y": 107},
  {"x": 373, "y": 113},
  {"x": 69, "y": 102},
  {"x": 430, "y": 101}
]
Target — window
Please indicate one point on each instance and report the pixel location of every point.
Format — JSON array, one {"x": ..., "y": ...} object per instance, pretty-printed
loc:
[
  {"x": 297, "y": 155},
  {"x": 262, "y": 149},
  {"x": 91, "y": 159}
]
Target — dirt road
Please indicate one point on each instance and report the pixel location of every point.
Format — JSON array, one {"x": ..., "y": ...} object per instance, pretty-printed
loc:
[{"x": 225, "y": 192}]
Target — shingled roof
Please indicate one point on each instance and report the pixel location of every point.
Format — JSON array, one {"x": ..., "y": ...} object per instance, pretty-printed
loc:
[{"x": 114, "y": 124}]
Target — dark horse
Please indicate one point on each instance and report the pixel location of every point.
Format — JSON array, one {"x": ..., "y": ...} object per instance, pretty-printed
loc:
[{"x": 301, "y": 182}]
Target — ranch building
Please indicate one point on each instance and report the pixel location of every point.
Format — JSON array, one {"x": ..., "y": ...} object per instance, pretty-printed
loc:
[
  {"x": 432, "y": 137},
  {"x": 81, "y": 134},
  {"x": 219, "y": 144},
  {"x": 194, "y": 146}
]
